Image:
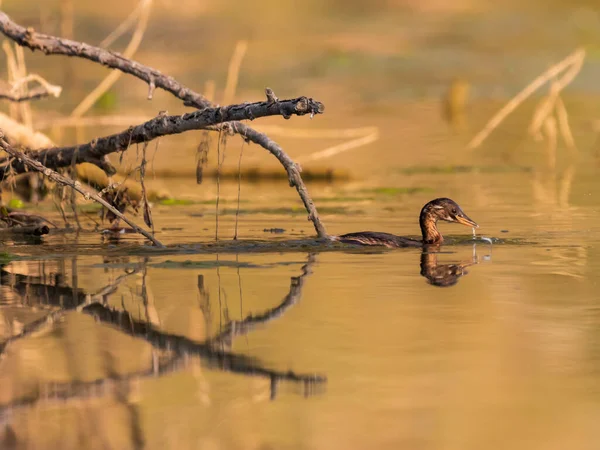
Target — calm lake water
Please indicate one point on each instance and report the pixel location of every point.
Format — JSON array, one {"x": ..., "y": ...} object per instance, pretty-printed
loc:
[
  {"x": 145, "y": 350},
  {"x": 277, "y": 341}
]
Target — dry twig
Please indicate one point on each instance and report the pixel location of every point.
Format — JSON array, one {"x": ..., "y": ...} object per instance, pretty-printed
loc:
[
  {"x": 52, "y": 45},
  {"x": 58, "y": 178},
  {"x": 163, "y": 125}
]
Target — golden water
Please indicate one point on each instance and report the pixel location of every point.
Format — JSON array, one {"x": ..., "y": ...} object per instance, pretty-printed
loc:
[{"x": 505, "y": 355}]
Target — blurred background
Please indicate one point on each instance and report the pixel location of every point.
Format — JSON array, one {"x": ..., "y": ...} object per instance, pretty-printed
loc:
[
  {"x": 507, "y": 355},
  {"x": 384, "y": 67}
]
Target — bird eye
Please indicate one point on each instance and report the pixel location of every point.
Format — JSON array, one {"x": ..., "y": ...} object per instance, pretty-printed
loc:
[{"x": 453, "y": 210}]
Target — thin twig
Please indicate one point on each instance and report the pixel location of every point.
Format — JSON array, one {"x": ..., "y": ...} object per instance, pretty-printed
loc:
[
  {"x": 237, "y": 211},
  {"x": 51, "y": 88},
  {"x": 73, "y": 173},
  {"x": 58, "y": 178},
  {"x": 218, "y": 187},
  {"x": 165, "y": 125},
  {"x": 146, "y": 206},
  {"x": 33, "y": 94}
]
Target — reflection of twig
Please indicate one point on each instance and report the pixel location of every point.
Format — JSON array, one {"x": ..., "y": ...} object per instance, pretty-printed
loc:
[
  {"x": 575, "y": 60},
  {"x": 546, "y": 192},
  {"x": 183, "y": 346},
  {"x": 55, "y": 296},
  {"x": 106, "y": 291},
  {"x": 565, "y": 183},
  {"x": 182, "y": 350},
  {"x": 209, "y": 351},
  {"x": 237, "y": 328},
  {"x": 112, "y": 385}
]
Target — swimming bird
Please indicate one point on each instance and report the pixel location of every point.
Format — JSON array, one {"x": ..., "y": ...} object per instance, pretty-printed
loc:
[{"x": 438, "y": 209}]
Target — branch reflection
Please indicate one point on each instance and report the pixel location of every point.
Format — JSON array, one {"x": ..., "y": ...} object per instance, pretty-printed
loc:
[{"x": 170, "y": 352}]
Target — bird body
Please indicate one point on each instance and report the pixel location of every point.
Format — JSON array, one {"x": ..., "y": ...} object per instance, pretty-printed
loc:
[{"x": 439, "y": 209}]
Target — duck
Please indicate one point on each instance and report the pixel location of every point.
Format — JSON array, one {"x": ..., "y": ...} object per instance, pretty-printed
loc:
[{"x": 438, "y": 209}]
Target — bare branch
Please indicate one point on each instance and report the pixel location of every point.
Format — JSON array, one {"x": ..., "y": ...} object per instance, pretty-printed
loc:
[
  {"x": 238, "y": 328},
  {"x": 33, "y": 94},
  {"x": 163, "y": 125},
  {"x": 27, "y": 37},
  {"x": 58, "y": 178},
  {"x": 292, "y": 169}
]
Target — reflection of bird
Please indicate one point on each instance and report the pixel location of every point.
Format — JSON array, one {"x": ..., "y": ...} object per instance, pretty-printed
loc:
[
  {"x": 442, "y": 275},
  {"x": 438, "y": 209}
]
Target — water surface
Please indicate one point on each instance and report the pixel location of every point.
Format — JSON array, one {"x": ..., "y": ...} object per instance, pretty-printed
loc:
[{"x": 279, "y": 341}]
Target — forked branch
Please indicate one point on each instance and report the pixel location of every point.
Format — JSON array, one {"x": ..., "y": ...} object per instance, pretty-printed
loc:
[
  {"x": 27, "y": 37},
  {"x": 33, "y": 94},
  {"x": 37, "y": 166},
  {"x": 50, "y": 45},
  {"x": 162, "y": 125}
]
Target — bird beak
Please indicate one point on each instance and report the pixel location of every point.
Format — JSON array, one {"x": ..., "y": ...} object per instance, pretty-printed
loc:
[{"x": 463, "y": 219}]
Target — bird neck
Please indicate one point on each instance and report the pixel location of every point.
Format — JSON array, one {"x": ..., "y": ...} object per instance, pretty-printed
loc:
[{"x": 429, "y": 230}]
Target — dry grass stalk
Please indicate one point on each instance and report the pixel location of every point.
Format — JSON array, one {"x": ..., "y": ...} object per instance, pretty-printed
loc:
[
  {"x": 124, "y": 26},
  {"x": 209, "y": 90},
  {"x": 233, "y": 71},
  {"x": 17, "y": 70},
  {"x": 571, "y": 64},
  {"x": 112, "y": 77},
  {"x": 52, "y": 89},
  {"x": 220, "y": 160},
  {"x": 553, "y": 103},
  {"x": 341, "y": 148}
]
